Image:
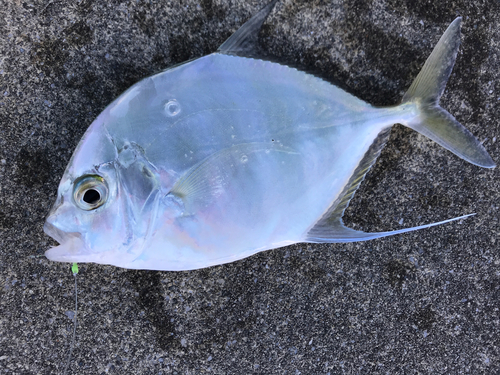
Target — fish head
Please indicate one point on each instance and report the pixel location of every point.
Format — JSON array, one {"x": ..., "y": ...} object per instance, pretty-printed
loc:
[
  {"x": 86, "y": 218},
  {"x": 105, "y": 202}
]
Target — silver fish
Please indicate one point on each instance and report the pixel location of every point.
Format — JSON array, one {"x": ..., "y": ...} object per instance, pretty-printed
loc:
[{"x": 221, "y": 157}]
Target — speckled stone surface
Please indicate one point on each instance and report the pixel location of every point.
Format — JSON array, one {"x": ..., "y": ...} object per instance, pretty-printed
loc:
[{"x": 425, "y": 302}]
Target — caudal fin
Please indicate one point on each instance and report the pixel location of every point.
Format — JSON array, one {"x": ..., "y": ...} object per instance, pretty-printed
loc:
[{"x": 433, "y": 121}]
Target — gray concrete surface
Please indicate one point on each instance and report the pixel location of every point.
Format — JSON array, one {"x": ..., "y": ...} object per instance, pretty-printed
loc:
[{"x": 425, "y": 302}]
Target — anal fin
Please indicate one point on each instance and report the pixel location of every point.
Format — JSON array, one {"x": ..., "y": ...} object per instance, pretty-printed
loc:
[
  {"x": 340, "y": 233},
  {"x": 331, "y": 222},
  {"x": 330, "y": 228}
]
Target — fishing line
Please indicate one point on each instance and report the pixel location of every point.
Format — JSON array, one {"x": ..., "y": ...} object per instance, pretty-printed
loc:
[{"x": 74, "y": 269}]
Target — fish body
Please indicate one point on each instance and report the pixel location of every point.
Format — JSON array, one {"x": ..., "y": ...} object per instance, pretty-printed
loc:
[{"x": 227, "y": 155}]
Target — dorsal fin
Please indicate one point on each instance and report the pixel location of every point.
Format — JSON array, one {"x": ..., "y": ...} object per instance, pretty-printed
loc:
[{"x": 244, "y": 40}]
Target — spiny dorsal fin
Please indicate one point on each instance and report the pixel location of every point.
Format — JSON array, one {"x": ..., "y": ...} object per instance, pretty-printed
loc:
[
  {"x": 244, "y": 40},
  {"x": 333, "y": 217}
]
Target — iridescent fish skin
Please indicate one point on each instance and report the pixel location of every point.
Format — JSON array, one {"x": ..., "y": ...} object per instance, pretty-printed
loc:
[{"x": 224, "y": 156}]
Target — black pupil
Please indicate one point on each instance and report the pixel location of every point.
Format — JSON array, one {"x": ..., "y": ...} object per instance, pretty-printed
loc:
[{"x": 91, "y": 196}]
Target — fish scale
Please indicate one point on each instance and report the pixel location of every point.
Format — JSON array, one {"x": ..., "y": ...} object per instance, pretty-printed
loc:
[{"x": 228, "y": 155}]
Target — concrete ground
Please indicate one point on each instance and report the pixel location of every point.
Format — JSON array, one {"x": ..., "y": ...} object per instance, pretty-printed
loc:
[{"x": 425, "y": 302}]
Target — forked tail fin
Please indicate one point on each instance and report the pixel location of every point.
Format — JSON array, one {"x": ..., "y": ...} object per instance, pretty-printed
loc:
[{"x": 433, "y": 121}]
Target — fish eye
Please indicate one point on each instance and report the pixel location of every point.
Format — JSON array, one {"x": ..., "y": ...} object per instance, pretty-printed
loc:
[
  {"x": 91, "y": 196},
  {"x": 90, "y": 192}
]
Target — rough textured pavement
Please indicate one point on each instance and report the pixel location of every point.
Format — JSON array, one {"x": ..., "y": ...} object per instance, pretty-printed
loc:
[{"x": 424, "y": 302}]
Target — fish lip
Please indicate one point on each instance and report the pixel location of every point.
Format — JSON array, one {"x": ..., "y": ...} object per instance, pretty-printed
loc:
[
  {"x": 59, "y": 254},
  {"x": 71, "y": 245},
  {"x": 57, "y": 234}
]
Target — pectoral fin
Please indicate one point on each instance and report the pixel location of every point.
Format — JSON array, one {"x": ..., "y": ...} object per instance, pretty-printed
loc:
[{"x": 239, "y": 176}]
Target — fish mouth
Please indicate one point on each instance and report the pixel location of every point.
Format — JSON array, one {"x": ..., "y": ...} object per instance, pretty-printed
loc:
[{"x": 71, "y": 249}]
